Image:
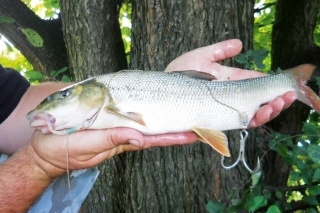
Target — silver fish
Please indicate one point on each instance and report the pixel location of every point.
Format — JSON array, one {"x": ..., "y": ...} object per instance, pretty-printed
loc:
[{"x": 158, "y": 102}]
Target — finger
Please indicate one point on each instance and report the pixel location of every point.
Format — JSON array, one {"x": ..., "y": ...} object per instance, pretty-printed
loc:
[
  {"x": 172, "y": 139},
  {"x": 289, "y": 98},
  {"x": 168, "y": 140},
  {"x": 222, "y": 50},
  {"x": 261, "y": 117},
  {"x": 267, "y": 112},
  {"x": 277, "y": 105}
]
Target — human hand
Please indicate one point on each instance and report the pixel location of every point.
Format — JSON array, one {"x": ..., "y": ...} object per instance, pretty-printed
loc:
[
  {"x": 205, "y": 59},
  {"x": 90, "y": 147}
]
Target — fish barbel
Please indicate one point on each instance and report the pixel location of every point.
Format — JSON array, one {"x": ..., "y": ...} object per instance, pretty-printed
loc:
[{"x": 154, "y": 102}]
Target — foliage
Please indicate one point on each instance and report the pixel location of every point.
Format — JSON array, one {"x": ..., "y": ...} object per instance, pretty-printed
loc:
[
  {"x": 11, "y": 57},
  {"x": 49, "y": 9},
  {"x": 6, "y": 19},
  {"x": 33, "y": 37},
  {"x": 125, "y": 25},
  {"x": 45, "y": 9},
  {"x": 317, "y": 31},
  {"x": 263, "y": 22},
  {"x": 253, "y": 59}
]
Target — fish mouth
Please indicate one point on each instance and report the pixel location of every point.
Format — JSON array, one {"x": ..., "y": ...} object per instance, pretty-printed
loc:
[{"x": 42, "y": 121}]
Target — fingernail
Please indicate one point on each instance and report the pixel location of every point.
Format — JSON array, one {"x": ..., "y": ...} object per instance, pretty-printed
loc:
[{"x": 134, "y": 142}]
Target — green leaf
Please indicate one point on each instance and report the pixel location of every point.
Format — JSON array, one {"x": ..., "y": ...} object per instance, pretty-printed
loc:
[
  {"x": 294, "y": 175},
  {"x": 267, "y": 194},
  {"x": 255, "y": 178},
  {"x": 256, "y": 203},
  {"x": 312, "y": 210},
  {"x": 310, "y": 129},
  {"x": 9, "y": 48},
  {"x": 310, "y": 200},
  {"x": 318, "y": 78},
  {"x": 6, "y": 19},
  {"x": 126, "y": 31},
  {"x": 241, "y": 59},
  {"x": 215, "y": 207},
  {"x": 314, "y": 153},
  {"x": 282, "y": 150},
  {"x": 33, "y": 37},
  {"x": 66, "y": 79},
  {"x": 55, "y": 73},
  {"x": 273, "y": 209},
  {"x": 316, "y": 174},
  {"x": 33, "y": 75},
  {"x": 314, "y": 190},
  {"x": 278, "y": 194}
]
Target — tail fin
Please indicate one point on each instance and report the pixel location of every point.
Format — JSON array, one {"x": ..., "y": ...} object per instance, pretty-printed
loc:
[{"x": 305, "y": 76}]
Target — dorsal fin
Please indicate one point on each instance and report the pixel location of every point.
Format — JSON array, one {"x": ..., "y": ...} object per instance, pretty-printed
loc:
[{"x": 198, "y": 75}]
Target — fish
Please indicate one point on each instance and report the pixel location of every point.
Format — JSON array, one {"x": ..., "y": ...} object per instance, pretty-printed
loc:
[{"x": 155, "y": 102}]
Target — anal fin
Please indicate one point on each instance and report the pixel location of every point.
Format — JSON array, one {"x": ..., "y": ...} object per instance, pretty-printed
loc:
[{"x": 216, "y": 139}]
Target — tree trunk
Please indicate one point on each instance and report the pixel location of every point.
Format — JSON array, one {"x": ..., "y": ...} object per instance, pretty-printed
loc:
[
  {"x": 93, "y": 37},
  {"x": 292, "y": 45}
]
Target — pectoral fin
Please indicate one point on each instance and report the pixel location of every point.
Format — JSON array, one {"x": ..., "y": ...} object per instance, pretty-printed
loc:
[
  {"x": 134, "y": 116},
  {"x": 216, "y": 139}
]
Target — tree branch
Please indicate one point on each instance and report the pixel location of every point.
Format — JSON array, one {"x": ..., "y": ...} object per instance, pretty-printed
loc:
[
  {"x": 265, "y": 6},
  {"x": 52, "y": 55},
  {"x": 291, "y": 188}
]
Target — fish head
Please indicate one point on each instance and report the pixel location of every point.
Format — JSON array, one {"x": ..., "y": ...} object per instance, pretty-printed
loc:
[{"x": 75, "y": 106}]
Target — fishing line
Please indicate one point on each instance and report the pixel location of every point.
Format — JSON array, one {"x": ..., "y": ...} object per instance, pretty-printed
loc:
[
  {"x": 68, "y": 173},
  {"x": 242, "y": 115}
]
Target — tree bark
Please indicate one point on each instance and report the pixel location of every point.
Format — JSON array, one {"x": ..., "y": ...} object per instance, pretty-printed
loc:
[
  {"x": 292, "y": 45},
  {"x": 52, "y": 55},
  {"x": 93, "y": 37}
]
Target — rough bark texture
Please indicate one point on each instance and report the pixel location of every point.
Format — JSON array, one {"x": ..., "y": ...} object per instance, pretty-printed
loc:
[
  {"x": 53, "y": 55},
  {"x": 292, "y": 45},
  {"x": 93, "y": 37},
  {"x": 163, "y": 30}
]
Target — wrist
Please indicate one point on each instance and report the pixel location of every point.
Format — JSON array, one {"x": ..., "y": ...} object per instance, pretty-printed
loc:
[{"x": 46, "y": 168}]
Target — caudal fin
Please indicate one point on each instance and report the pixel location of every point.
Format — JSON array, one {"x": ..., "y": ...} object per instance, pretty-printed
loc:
[{"x": 305, "y": 76}]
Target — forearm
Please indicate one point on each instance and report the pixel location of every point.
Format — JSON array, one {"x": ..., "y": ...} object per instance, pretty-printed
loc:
[{"x": 23, "y": 178}]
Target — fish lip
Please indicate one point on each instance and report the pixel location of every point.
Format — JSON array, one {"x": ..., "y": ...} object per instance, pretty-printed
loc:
[{"x": 40, "y": 119}]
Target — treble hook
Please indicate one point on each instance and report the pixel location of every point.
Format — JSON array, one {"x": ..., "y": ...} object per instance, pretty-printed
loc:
[{"x": 241, "y": 157}]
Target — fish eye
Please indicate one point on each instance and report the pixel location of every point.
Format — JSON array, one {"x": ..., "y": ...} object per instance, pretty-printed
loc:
[{"x": 65, "y": 93}]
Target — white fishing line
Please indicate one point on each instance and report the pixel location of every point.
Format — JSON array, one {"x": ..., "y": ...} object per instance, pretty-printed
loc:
[{"x": 68, "y": 173}]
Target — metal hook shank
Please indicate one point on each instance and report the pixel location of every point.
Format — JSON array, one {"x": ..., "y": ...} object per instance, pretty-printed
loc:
[{"x": 244, "y": 135}]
